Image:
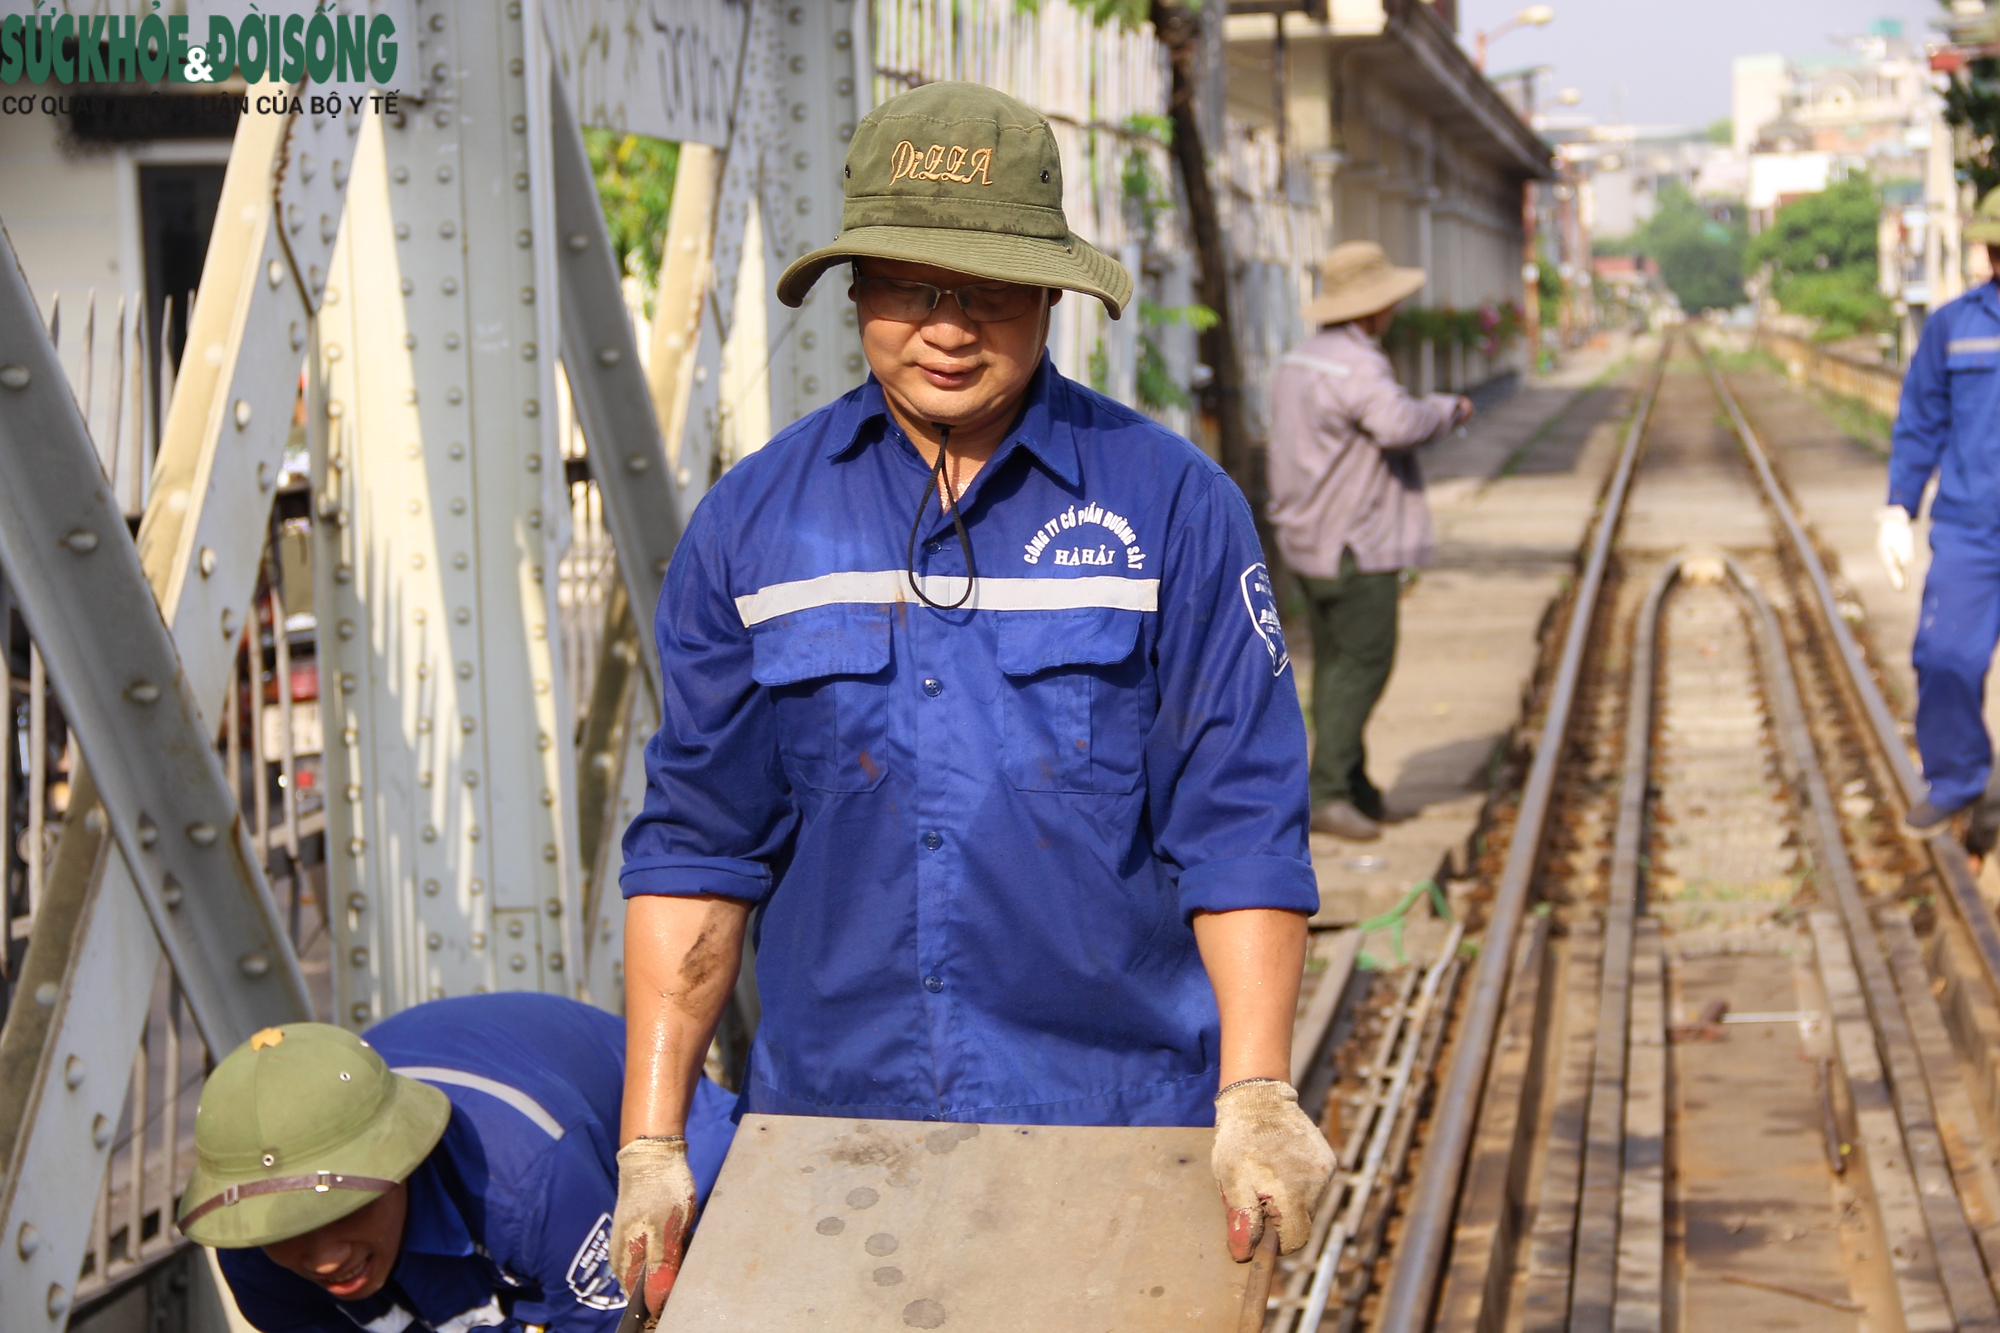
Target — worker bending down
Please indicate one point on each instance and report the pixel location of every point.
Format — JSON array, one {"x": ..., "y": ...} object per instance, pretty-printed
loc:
[
  {"x": 976, "y": 697},
  {"x": 454, "y": 1171},
  {"x": 1949, "y": 426}
]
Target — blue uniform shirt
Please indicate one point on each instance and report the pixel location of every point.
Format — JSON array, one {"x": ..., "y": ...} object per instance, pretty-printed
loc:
[
  {"x": 976, "y": 837},
  {"x": 1949, "y": 419},
  {"x": 509, "y": 1220}
]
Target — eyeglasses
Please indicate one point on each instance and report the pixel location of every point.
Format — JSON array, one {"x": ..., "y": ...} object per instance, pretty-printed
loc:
[{"x": 912, "y": 302}]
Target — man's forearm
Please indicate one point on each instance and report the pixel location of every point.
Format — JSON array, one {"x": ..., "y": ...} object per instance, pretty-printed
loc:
[
  {"x": 681, "y": 960},
  {"x": 1254, "y": 960}
]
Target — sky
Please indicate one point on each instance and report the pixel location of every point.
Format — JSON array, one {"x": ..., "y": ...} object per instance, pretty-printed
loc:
[{"x": 1667, "y": 61}]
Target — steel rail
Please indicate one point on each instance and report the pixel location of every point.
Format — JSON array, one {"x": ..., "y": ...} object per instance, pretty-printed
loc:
[
  {"x": 1945, "y": 853},
  {"x": 1412, "y": 1289}
]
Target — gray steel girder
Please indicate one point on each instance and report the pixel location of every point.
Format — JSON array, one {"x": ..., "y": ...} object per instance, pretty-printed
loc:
[
  {"x": 607, "y": 382},
  {"x": 94, "y": 952}
]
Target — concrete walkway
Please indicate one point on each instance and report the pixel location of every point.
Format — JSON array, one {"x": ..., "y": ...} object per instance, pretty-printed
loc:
[{"x": 1512, "y": 498}]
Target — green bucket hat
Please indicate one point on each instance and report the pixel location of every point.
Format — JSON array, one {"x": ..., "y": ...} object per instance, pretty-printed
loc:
[
  {"x": 967, "y": 178},
  {"x": 300, "y": 1126},
  {"x": 1985, "y": 225}
]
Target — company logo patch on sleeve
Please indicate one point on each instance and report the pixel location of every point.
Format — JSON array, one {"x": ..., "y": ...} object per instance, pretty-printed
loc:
[
  {"x": 590, "y": 1275},
  {"x": 1262, "y": 603}
]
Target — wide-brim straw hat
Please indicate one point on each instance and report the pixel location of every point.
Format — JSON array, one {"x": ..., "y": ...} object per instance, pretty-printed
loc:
[
  {"x": 1357, "y": 279},
  {"x": 966, "y": 178},
  {"x": 298, "y": 1127}
]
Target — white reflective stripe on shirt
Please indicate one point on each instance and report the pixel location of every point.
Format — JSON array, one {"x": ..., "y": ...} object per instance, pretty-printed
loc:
[
  {"x": 514, "y": 1097},
  {"x": 875, "y": 587},
  {"x": 489, "y": 1315},
  {"x": 395, "y": 1321},
  {"x": 1335, "y": 368},
  {"x": 1957, "y": 345}
]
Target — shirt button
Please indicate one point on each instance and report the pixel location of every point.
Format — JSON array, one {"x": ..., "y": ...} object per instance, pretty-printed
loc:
[
  {"x": 933, "y": 984},
  {"x": 933, "y": 686},
  {"x": 933, "y": 840},
  {"x": 933, "y": 546}
]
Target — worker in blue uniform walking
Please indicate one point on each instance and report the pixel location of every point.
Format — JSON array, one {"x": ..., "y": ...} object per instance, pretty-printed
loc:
[
  {"x": 453, "y": 1171},
  {"x": 975, "y": 693},
  {"x": 1948, "y": 426}
]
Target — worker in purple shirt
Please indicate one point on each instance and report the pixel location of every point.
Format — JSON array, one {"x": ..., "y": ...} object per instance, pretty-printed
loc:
[{"x": 1347, "y": 501}]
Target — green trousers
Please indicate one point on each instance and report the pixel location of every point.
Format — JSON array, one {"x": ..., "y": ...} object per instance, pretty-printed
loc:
[{"x": 1353, "y": 624}]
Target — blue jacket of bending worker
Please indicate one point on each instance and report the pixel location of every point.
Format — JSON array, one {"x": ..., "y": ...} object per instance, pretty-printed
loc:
[
  {"x": 976, "y": 836},
  {"x": 505, "y": 1219},
  {"x": 1949, "y": 426}
]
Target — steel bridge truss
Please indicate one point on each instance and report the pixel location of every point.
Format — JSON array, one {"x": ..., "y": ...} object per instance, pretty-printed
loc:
[{"x": 441, "y": 282}]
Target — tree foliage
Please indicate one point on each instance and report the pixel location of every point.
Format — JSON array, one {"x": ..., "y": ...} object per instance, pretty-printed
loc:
[
  {"x": 1820, "y": 252},
  {"x": 635, "y": 183},
  {"x": 1972, "y": 104},
  {"x": 1700, "y": 254}
]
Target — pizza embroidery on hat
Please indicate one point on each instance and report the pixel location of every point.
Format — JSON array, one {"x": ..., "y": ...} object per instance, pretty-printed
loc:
[{"x": 940, "y": 163}]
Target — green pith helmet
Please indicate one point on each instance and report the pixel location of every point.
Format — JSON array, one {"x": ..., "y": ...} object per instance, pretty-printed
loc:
[
  {"x": 1984, "y": 228},
  {"x": 967, "y": 178},
  {"x": 300, "y": 1126}
]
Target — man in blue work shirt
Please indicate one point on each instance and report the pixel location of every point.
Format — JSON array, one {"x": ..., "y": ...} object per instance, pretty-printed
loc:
[
  {"x": 1949, "y": 425},
  {"x": 454, "y": 1171},
  {"x": 975, "y": 691}
]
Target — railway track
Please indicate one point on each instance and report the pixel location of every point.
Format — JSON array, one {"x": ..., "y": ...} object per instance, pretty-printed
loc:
[{"x": 1722, "y": 1052}]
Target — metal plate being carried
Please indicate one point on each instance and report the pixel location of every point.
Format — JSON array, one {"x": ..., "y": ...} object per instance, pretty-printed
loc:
[{"x": 842, "y": 1225}]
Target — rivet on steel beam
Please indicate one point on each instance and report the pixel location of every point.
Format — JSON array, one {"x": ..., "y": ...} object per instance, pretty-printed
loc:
[
  {"x": 228, "y": 623},
  {"x": 15, "y": 377},
  {"x": 553, "y": 907},
  {"x": 636, "y": 463},
  {"x": 528, "y": 351},
  {"x": 242, "y": 413},
  {"x": 356, "y": 846},
  {"x": 142, "y": 692},
  {"x": 430, "y": 833},
  {"x": 100, "y": 1131},
  {"x": 609, "y": 356},
  {"x": 434, "y": 941},
  {"x": 359, "y": 957},
  {"x": 518, "y": 963},
  {"x": 578, "y": 242},
  {"x": 149, "y": 832},
  {"x": 95, "y": 821},
  {"x": 27, "y": 1240},
  {"x": 73, "y": 1071},
  {"x": 431, "y": 887},
  {"x": 201, "y": 835},
  {"x": 524, "y": 238},
  {"x": 527, "y": 296},
  {"x": 58, "y": 1301},
  {"x": 205, "y": 561},
  {"x": 298, "y": 336},
  {"x": 345, "y": 629},
  {"x": 83, "y": 541},
  {"x": 543, "y": 741},
  {"x": 444, "y": 174},
  {"x": 360, "y": 1013},
  {"x": 170, "y": 891},
  {"x": 472, "y": 833},
  {"x": 548, "y": 851},
  {"x": 555, "y": 962},
  {"x": 253, "y": 965},
  {"x": 274, "y": 273},
  {"x": 47, "y": 994}
]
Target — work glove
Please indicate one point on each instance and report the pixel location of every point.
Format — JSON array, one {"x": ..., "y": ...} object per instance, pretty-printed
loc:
[
  {"x": 655, "y": 1208},
  {"x": 1272, "y": 1163},
  {"x": 1895, "y": 545}
]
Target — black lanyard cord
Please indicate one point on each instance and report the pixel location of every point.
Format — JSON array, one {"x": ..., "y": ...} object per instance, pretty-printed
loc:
[{"x": 958, "y": 523}]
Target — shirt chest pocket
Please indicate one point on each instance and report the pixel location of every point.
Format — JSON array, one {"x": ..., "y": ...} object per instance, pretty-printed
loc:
[
  {"x": 827, "y": 671},
  {"x": 1071, "y": 704}
]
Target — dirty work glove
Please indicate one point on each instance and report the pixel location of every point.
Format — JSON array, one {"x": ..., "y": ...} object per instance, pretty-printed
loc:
[
  {"x": 655, "y": 1208},
  {"x": 1271, "y": 1161},
  {"x": 1895, "y": 545}
]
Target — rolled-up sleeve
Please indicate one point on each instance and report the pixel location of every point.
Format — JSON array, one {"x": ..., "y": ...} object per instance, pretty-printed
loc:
[
  {"x": 718, "y": 808},
  {"x": 1226, "y": 757}
]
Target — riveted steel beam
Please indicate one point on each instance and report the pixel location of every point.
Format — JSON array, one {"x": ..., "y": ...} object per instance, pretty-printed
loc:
[
  {"x": 607, "y": 383},
  {"x": 441, "y": 508},
  {"x": 95, "y": 951}
]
